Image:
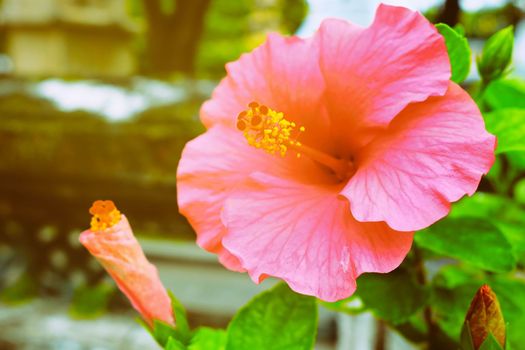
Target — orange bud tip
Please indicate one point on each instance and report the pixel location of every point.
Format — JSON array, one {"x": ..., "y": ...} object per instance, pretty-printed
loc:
[
  {"x": 253, "y": 104},
  {"x": 105, "y": 215}
]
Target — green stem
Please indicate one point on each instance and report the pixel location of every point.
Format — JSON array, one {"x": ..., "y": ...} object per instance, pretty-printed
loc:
[{"x": 483, "y": 86}]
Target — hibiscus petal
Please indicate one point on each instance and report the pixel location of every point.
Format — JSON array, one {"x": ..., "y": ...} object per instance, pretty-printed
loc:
[
  {"x": 432, "y": 154},
  {"x": 214, "y": 163},
  {"x": 372, "y": 74},
  {"x": 210, "y": 165},
  {"x": 283, "y": 73},
  {"x": 306, "y": 236}
]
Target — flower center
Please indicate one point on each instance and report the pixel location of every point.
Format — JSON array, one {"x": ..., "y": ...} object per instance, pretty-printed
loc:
[
  {"x": 105, "y": 215},
  {"x": 270, "y": 131}
]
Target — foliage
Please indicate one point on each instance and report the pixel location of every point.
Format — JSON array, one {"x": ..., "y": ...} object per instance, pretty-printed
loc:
[
  {"x": 206, "y": 338},
  {"x": 22, "y": 290},
  {"x": 490, "y": 344},
  {"x": 505, "y": 93},
  {"x": 503, "y": 212},
  {"x": 507, "y": 125},
  {"x": 277, "y": 319},
  {"x": 458, "y": 51},
  {"x": 91, "y": 302},
  {"x": 472, "y": 240},
  {"x": 483, "y": 239},
  {"x": 377, "y": 292},
  {"x": 234, "y": 27},
  {"x": 77, "y": 157},
  {"x": 484, "y": 22},
  {"x": 229, "y": 29},
  {"x": 453, "y": 288},
  {"x": 181, "y": 336}
]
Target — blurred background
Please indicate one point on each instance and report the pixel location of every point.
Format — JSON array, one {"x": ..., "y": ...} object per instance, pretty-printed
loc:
[{"x": 97, "y": 99}]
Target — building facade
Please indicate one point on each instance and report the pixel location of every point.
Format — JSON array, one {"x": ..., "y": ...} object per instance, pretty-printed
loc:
[{"x": 68, "y": 38}]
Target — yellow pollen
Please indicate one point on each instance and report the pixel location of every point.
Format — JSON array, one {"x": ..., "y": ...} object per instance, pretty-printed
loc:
[
  {"x": 270, "y": 131},
  {"x": 267, "y": 129},
  {"x": 105, "y": 215}
]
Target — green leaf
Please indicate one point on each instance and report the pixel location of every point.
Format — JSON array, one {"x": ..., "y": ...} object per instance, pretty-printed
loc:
[
  {"x": 181, "y": 319},
  {"x": 519, "y": 191},
  {"x": 505, "y": 93},
  {"x": 458, "y": 52},
  {"x": 504, "y": 213},
  {"x": 496, "y": 55},
  {"x": 508, "y": 125},
  {"x": 473, "y": 240},
  {"x": 174, "y": 344},
  {"x": 208, "y": 339},
  {"x": 460, "y": 29},
  {"x": 490, "y": 344},
  {"x": 275, "y": 319},
  {"x": 162, "y": 332},
  {"x": 379, "y": 291},
  {"x": 449, "y": 306},
  {"x": 517, "y": 159},
  {"x": 486, "y": 205},
  {"x": 465, "y": 341},
  {"x": 452, "y": 276}
]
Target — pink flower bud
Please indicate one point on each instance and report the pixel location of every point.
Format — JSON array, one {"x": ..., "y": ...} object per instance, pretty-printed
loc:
[{"x": 110, "y": 240}]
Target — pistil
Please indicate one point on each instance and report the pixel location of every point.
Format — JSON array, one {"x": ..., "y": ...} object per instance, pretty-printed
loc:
[
  {"x": 105, "y": 215},
  {"x": 340, "y": 167}
]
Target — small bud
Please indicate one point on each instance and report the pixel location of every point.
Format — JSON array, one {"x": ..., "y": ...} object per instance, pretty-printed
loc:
[
  {"x": 484, "y": 317},
  {"x": 496, "y": 55},
  {"x": 112, "y": 243}
]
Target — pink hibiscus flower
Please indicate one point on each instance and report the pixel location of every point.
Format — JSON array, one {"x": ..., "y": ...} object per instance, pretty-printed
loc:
[
  {"x": 110, "y": 240},
  {"x": 357, "y": 139}
]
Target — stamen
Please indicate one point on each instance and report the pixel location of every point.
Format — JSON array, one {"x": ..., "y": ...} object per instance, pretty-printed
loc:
[
  {"x": 267, "y": 129},
  {"x": 256, "y": 120},
  {"x": 241, "y": 125},
  {"x": 105, "y": 215},
  {"x": 270, "y": 131}
]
